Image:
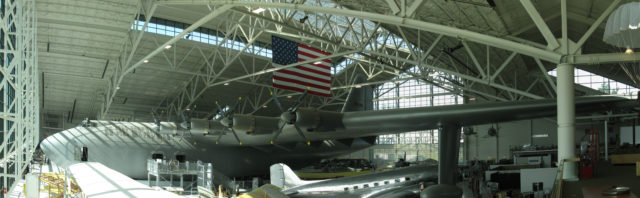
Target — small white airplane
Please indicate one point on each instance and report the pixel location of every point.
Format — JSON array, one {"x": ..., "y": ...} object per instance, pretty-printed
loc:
[{"x": 401, "y": 182}]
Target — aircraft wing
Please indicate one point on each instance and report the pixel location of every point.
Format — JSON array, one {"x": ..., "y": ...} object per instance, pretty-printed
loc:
[
  {"x": 391, "y": 192},
  {"x": 97, "y": 180},
  {"x": 397, "y": 120}
]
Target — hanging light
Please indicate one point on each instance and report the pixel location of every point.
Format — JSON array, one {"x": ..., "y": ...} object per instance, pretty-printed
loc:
[
  {"x": 628, "y": 51},
  {"x": 622, "y": 27},
  {"x": 258, "y": 11}
]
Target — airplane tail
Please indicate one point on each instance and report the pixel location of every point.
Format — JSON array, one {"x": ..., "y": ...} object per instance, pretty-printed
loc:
[
  {"x": 282, "y": 176},
  {"x": 359, "y": 99}
]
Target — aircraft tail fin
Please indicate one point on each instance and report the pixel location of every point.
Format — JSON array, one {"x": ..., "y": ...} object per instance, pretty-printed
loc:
[
  {"x": 359, "y": 99},
  {"x": 282, "y": 176}
]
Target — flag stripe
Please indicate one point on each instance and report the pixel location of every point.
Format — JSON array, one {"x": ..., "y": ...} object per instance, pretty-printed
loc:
[
  {"x": 295, "y": 79},
  {"x": 311, "y": 56},
  {"x": 306, "y": 71},
  {"x": 305, "y": 83},
  {"x": 321, "y": 65},
  {"x": 305, "y": 68},
  {"x": 285, "y": 71},
  {"x": 313, "y": 49}
]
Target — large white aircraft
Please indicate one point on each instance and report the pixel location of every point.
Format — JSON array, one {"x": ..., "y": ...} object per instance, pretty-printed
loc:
[{"x": 257, "y": 142}]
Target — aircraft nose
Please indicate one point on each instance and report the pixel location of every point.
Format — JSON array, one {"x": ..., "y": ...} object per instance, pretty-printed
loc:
[{"x": 57, "y": 148}]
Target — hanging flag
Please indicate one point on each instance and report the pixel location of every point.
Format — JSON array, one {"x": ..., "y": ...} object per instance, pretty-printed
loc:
[{"x": 315, "y": 76}]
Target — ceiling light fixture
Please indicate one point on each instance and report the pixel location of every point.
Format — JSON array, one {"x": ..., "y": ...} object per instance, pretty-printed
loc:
[
  {"x": 258, "y": 11},
  {"x": 225, "y": 84},
  {"x": 167, "y": 47},
  {"x": 145, "y": 61},
  {"x": 318, "y": 62},
  {"x": 118, "y": 87},
  {"x": 358, "y": 86},
  {"x": 264, "y": 106},
  {"x": 628, "y": 51},
  {"x": 289, "y": 96}
]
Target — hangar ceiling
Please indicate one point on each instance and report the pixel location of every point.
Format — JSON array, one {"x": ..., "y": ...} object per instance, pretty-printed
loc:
[{"x": 92, "y": 61}]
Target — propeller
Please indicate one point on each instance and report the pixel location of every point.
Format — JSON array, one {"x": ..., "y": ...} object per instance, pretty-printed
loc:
[
  {"x": 226, "y": 119},
  {"x": 155, "y": 119},
  {"x": 289, "y": 117},
  {"x": 186, "y": 119}
]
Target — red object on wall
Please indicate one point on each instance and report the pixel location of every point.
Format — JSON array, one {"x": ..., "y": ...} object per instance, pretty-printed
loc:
[
  {"x": 589, "y": 155},
  {"x": 586, "y": 172}
]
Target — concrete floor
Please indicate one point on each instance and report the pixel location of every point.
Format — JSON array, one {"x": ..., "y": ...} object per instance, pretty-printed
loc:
[{"x": 606, "y": 175}]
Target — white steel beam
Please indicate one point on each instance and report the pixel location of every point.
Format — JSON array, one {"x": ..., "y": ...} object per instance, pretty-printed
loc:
[
  {"x": 128, "y": 69},
  {"x": 552, "y": 42},
  {"x": 20, "y": 112},
  {"x": 414, "y": 6},
  {"x": 474, "y": 59},
  {"x": 462, "y": 76},
  {"x": 544, "y": 72},
  {"x": 565, "y": 31},
  {"x": 504, "y": 64},
  {"x": 393, "y": 6},
  {"x": 148, "y": 14},
  {"x": 595, "y": 25},
  {"x": 404, "y": 22},
  {"x": 592, "y": 59}
]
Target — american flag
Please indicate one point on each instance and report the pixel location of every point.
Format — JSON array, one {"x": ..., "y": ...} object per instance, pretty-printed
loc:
[{"x": 315, "y": 76}]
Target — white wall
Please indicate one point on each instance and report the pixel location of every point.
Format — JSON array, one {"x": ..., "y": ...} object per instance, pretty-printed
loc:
[{"x": 481, "y": 146}]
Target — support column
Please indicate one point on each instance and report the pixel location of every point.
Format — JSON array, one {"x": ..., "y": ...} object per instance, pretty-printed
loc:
[
  {"x": 448, "y": 148},
  {"x": 606, "y": 139},
  {"x": 566, "y": 120}
]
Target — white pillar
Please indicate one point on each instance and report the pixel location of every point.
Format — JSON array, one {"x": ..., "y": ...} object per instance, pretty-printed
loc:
[
  {"x": 606, "y": 139},
  {"x": 566, "y": 120}
]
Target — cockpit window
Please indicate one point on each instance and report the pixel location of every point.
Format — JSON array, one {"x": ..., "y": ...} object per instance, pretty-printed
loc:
[
  {"x": 156, "y": 156},
  {"x": 181, "y": 158}
]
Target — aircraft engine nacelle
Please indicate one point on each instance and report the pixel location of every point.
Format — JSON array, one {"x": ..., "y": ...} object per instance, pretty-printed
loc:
[
  {"x": 318, "y": 121},
  {"x": 255, "y": 125},
  {"x": 169, "y": 128},
  {"x": 205, "y": 127}
]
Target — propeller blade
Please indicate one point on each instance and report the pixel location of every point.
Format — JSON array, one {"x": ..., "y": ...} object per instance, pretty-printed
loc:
[
  {"x": 184, "y": 119},
  {"x": 275, "y": 100},
  {"x": 299, "y": 101},
  {"x": 155, "y": 119},
  {"x": 302, "y": 134},
  {"x": 236, "y": 135},
  {"x": 219, "y": 107},
  {"x": 235, "y": 106},
  {"x": 277, "y": 133},
  {"x": 219, "y": 137}
]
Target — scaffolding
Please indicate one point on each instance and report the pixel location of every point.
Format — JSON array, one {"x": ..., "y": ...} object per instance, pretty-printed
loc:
[
  {"x": 19, "y": 95},
  {"x": 165, "y": 170}
]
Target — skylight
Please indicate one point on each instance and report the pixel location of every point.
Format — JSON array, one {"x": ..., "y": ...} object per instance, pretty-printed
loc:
[
  {"x": 602, "y": 84},
  {"x": 202, "y": 35}
]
